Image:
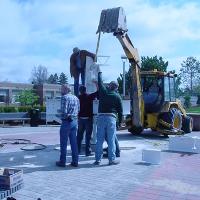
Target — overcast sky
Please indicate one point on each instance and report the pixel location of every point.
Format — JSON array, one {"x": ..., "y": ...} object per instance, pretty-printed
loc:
[{"x": 44, "y": 32}]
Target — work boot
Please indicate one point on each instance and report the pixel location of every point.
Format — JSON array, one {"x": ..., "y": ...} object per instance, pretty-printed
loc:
[
  {"x": 114, "y": 162},
  {"x": 60, "y": 164},
  {"x": 97, "y": 163},
  {"x": 117, "y": 154},
  {"x": 89, "y": 154},
  {"x": 73, "y": 164}
]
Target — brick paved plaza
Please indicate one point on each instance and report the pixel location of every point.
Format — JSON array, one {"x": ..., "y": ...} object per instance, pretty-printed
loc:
[{"x": 176, "y": 178}]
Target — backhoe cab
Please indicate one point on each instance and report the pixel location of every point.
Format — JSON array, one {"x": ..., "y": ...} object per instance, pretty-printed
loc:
[
  {"x": 162, "y": 111},
  {"x": 153, "y": 102}
]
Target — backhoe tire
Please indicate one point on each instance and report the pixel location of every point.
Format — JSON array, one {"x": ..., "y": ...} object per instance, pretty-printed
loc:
[
  {"x": 173, "y": 119},
  {"x": 177, "y": 119},
  {"x": 187, "y": 124},
  {"x": 135, "y": 130}
]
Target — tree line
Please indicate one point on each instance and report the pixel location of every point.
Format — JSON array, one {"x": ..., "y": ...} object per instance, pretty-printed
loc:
[
  {"x": 40, "y": 76},
  {"x": 187, "y": 81}
]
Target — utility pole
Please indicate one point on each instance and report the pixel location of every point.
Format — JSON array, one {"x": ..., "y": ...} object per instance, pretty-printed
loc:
[{"x": 123, "y": 57}]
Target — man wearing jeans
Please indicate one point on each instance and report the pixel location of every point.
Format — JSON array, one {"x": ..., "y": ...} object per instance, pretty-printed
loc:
[
  {"x": 78, "y": 65},
  {"x": 85, "y": 121},
  {"x": 110, "y": 107},
  {"x": 69, "y": 114}
]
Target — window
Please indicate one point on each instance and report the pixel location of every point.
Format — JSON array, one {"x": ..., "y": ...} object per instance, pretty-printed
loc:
[
  {"x": 3, "y": 95},
  {"x": 152, "y": 87},
  {"x": 49, "y": 94},
  {"x": 58, "y": 94},
  {"x": 172, "y": 90},
  {"x": 2, "y": 99},
  {"x": 166, "y": 88},
  {"x": 15, "y": 96}
]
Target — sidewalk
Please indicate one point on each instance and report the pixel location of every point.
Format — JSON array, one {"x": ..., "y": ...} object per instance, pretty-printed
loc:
[{"x": 177, "y": 177}]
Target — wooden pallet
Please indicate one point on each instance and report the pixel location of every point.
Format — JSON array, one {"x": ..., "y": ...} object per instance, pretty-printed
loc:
[{"x": 6, "y": 193}]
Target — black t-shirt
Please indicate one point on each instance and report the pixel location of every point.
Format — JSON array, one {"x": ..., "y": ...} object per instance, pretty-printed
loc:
[{"x": 86, "y": 104}]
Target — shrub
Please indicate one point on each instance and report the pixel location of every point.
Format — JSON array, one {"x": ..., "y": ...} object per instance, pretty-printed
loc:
[
  {"x": 24, "y": 108},
  {"x": 43, "y": 109},
  {"x": 187, "y": 102},
  {"x": 9, "y": 109},
  {"x": 28, "y": 98},
  {"x": 1, "y": 109}
]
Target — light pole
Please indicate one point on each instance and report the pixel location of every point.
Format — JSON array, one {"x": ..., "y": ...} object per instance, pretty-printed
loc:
[{"x": 123, "y": 57}]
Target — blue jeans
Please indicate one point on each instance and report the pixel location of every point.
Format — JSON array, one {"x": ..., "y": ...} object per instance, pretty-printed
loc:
[
  {"x": 68, "y": 129},
  {"x": 84, "y": 125},
  {"x": 117, "y": 152},
  {"x": 106, "y": 128},
  {"x": 76, "y": 81}
]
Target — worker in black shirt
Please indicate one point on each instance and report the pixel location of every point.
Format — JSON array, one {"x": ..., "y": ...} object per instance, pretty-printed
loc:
[{"x": 85, "y": 122}]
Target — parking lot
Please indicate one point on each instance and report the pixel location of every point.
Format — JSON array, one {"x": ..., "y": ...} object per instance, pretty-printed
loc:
[{"x": 176, "y": 178}]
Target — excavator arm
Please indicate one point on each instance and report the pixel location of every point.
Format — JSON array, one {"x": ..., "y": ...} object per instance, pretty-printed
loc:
[
  {"x": 114, "y": 21},
  {"x": 137, "y": 100}
]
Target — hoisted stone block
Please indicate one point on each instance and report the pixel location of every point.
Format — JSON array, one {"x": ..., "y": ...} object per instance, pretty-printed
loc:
[
  {"x": 112, "y": 20},
  {"x": 91, "y": 73}
]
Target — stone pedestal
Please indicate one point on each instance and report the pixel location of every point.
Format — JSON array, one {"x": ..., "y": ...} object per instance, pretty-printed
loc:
[
  {"x": 151, "y": 156},
  {"x": 182, "y": 144}
]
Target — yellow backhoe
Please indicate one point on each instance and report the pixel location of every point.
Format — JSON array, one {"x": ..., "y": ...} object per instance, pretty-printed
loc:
[{"x": 153, "y": 101}]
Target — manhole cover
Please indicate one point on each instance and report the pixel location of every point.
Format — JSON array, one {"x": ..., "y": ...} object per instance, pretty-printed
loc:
[
  {"x": 33, "y": 147},
  {"x": 127, "y": 148}
]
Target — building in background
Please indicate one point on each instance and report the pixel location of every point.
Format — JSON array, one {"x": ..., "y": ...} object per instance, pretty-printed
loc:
[
  {"x": 10, "y": 91},
  {"x": 49, "y": 91}
]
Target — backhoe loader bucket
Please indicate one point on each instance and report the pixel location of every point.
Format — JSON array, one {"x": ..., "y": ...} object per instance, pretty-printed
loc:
[{"x": 112, "y": 20}]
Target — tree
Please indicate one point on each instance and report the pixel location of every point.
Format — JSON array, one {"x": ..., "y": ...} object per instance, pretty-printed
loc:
[
  {"x": 187, "y": 101},
  {"x": 39, "y": 75},
  {"x": 28, "y": 97},
  {"x": 63, "y": 79},
  {"x": 151, "y": 63},
  {"x": 55, "y": 77},
  {"x": 50, "y": 79},
  {"x": 128, "y": 82},
  {"x": 178, "y": 90},
  {"x": 197, "y": 89},
  {"x": 197, "y": 92},
  {"x": 148, "y": 63},
  {"x": 190, "y": 72}
]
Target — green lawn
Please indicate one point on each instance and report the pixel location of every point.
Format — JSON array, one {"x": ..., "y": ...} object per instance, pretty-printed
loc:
[{"x": 195, "y": 109}]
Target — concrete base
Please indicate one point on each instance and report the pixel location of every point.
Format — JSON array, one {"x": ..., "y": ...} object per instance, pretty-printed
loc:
[
  {"x": 152, "y": 156},
  {"x": 196, "y": 144},
  {"x": 184, "y": 144}
]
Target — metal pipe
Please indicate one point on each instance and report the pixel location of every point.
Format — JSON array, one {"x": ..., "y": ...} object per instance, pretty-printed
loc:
[
  {"x": 123, "y": 57},
  {"x": 124, "y": 80}
]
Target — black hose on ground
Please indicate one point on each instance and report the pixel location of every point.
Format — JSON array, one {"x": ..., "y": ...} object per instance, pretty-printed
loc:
[{"x": 23, "y": 141}]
